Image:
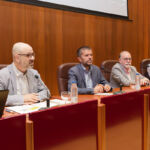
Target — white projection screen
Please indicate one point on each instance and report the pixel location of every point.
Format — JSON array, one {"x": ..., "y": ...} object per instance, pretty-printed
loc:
[
  {"x": 97, "y": 7},
  {"x": 116, "y": 7}
]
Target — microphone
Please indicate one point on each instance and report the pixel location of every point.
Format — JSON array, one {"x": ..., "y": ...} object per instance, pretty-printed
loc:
[
  {"x": 121, "y": 85},
  {"x": 47, "y": 100},
  {"x": 119, "y": 92},
  {"x": 36, "y": 76}
]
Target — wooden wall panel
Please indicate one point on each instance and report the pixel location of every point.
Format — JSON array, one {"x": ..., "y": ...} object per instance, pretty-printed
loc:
[{"x": 55, "y": 35}]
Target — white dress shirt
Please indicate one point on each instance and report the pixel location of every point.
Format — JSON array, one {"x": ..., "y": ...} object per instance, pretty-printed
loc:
[
  {"x": 128, "y": 74},
  {"x": 21, "y": 82}
]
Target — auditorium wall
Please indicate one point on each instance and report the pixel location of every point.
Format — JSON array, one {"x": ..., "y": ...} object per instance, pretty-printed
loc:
[{"x": 56, "y": 34}]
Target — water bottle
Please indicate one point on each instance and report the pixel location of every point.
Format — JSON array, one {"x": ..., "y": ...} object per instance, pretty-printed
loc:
[
  {"x": 137, "y": 82},
  {"x": 74, "y": 92}
]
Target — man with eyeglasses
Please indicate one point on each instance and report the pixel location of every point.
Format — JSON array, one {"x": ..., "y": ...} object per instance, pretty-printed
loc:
[
  {"x": 123, "y": 73},
  {"x": 24, "y": 83}
]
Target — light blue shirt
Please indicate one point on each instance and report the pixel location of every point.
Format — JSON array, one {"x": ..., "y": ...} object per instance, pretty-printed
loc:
[{"x": 88, "y": 78}]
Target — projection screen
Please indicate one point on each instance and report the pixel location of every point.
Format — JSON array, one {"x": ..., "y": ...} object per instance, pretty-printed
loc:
[
  {"x": 116, "y": 7},
  {"x": 97, "y": 7}
]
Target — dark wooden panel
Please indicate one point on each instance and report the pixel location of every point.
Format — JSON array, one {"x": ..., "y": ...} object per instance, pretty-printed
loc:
[
  {"x": 55, "y": 35},
  {"x": 68, "y": 127},
  {"x": 124, "y": 116},
  {"x": 13, "y": 130}
]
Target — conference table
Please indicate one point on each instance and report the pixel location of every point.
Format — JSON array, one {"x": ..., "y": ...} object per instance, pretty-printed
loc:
[
  {"x": 99, "y": 123},
  {"x": 82, "y": 98}
]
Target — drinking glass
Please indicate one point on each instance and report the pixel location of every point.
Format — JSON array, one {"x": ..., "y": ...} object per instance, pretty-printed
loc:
[{"x": 65, "y": 95}]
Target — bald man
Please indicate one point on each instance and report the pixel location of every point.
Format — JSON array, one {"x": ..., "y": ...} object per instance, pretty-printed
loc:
[
  {"x": 24, "y": 83},
  {"x": 123, "y": 73}
]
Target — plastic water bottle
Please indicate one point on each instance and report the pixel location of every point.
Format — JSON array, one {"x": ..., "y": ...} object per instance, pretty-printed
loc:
[
  {"x": 74, "y": 92},
  {"x": 137, "y": 82}
]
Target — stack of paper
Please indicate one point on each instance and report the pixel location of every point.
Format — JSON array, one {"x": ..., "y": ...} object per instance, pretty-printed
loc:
[
  {"x": 104, "y": 94},
  {"x": 37, "y": 106}
]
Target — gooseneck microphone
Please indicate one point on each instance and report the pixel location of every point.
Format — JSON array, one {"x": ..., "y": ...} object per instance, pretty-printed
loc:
[
  {"x": 47, "y": 100},
  {"x": 121, "y": 85},
  {"x": 119, "y": 92},
  {"x": 36, "y": 76}
]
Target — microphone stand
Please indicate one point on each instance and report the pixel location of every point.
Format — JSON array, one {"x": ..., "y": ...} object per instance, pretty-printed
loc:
[
  {"x": 47, "y": 103},
  {"x": 119, "y": 92},
  {"x": 47, "y": 100}
]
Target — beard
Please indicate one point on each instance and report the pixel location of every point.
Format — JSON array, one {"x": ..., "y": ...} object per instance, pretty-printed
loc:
[
  {"x": 31, "y": 64},
  {"x": 89, "y": 62},
  {"x": 128, "y": 65},
  {"x": 30, "y": 67}
]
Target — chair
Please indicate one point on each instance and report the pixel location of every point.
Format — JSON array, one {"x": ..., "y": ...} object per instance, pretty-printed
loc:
[
  {"x": 62, "y": 76},
  {"x": 143, "y": 66},
  {"x": 106, "y": 67},
  {"x": 3, "y": 66}
]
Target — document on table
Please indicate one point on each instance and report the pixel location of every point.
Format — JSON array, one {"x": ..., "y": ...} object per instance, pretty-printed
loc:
[
  {"x": 105, "y": 94},
  {"x": 35, "y": 107}
]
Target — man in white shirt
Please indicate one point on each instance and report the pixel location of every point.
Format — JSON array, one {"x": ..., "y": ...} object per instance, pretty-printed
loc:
[
  {"x": 24, "y": 83},
  {"x": 125, "y": 74}
]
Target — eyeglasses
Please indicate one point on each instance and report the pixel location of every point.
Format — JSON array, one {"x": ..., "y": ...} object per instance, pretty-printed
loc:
[
  {"x": 127, "y": 59},
  {"x": 28, "y": 55}
]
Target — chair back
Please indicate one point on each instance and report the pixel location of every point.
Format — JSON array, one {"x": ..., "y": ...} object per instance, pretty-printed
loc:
[
  {"x": 62, "y": 76},
  {"x": 106, "y": 67},
  {"x": 3, "y": 66},
  {"x": 143, "y": 66}
]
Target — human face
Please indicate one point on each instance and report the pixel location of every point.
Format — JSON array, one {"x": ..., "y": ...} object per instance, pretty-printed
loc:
[
  {"x": 86, "y": 57},
  {"x": 26, "y": 59},
  {"x": 125, "y": 60}
]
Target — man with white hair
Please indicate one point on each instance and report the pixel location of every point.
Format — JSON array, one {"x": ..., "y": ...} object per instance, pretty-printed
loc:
[
  {"x": 125, "y": 74},
  {"x": 24, "y": 83}
]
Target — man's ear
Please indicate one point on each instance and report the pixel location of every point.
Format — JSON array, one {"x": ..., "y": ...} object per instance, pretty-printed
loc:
[
  {"x": 119, "y": 60},
  {"x": 79, "y": 59},
  {"x": 16, "y": 58}
]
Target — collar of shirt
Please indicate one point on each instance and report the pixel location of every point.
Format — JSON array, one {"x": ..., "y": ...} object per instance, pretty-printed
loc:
[
  {"x": 17, "y": 72},
  {"x": 86, "y": 71},
  {"x": 21, "y": 82},
  {"x": 87, "y": 75},
  {"x": 127, "y": 71}
]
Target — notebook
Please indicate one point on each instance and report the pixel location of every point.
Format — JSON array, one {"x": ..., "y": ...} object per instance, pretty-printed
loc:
[{"x": 3, "y": 98}]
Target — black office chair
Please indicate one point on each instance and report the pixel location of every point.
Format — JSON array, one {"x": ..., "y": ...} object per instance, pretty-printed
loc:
[{"x": 3, "y": 65}]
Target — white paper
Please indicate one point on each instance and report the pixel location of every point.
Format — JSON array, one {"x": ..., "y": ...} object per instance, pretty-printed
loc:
[
  {"x": 105, "y": 94},
  {"x": 35, "y": 107}
]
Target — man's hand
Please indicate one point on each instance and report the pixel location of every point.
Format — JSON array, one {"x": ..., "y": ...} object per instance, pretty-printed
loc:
[
  {"x": 144, "y": 81},
  {"x": 98, "y": 88},
  {"x": 107, "y": 87},
  {"x": 31, "y": 98}
]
